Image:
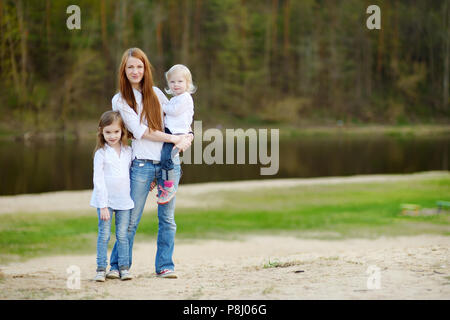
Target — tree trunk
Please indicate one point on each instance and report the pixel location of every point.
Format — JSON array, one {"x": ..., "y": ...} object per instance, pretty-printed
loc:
[
  {"x": 185, "y": 35},
  {"x": 287, "y": 44},
  {"x": 48, "y": 35},
  {"x": 269, "y": 40},
  {"x": 103, "y": 27},
  {"x": 380, "y": 53},
  {"x": 159, "y": 40},
  {"x": 333, "y": 61},
  {"x": 119, "y": 23},
  {"x": 23, "y": 49},
  {"x": 445, "y": 102},
  {"x": 274, "y": 53},
  {"x": 244, "y": 52},
  {"x": 197, "y": 21},
  {"x": 2, "y": 41},
  {"x": 174, "y": 30},
  {"x": 14, "y": 69}
]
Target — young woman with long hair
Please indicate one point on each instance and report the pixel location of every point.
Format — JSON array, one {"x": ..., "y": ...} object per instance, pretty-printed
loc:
[{"x": 139, "y": 103}]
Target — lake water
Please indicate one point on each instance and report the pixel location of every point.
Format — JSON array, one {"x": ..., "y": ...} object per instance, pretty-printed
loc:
[{"x": 60, "y": 165}]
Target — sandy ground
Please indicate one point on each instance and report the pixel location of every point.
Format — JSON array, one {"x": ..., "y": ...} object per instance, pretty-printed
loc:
[
  {"x": 408, "y": 267},
  {"x": 252, "y": 267}
]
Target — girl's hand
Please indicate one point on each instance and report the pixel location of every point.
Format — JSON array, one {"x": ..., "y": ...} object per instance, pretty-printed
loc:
[{"x": 104, "y": 214}]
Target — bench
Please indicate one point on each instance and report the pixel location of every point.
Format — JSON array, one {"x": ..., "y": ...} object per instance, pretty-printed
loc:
[
  {"x": 410, "y": 207},
  {"x": 442, "y": 204}
]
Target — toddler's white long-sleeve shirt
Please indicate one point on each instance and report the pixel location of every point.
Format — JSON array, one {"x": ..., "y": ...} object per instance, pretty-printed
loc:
[{"x": 179, "y": 112}]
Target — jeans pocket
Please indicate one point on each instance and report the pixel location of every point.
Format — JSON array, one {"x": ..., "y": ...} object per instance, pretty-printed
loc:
[{"x": 139, "y": 171}]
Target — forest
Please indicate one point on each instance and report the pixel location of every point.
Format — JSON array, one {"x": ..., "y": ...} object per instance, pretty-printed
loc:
[{"x": 286, "y": 62}]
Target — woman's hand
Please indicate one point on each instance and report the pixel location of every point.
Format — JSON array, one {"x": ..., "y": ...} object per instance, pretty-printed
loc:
[
  {"x": 104, "y": 214},
  {"x": 183, "y": 142}
]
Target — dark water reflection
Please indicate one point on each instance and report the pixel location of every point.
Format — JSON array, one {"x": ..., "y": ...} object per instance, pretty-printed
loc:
[{"x": 58, "y": 165}]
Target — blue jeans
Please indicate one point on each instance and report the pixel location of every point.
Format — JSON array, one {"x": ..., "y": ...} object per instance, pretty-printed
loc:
[
  {"x": 167, "y": 154},
  {"x": 142, "y": 173},
  {"x": 104, "y": 232}
]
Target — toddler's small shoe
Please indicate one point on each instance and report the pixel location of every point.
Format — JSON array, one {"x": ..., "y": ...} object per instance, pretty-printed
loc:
[
  {"x": 113, "y": 274},
  {"x": 125, "y": 275},
  {"x": 167, "y": 193},
  {"x": 100, "y": 276}
]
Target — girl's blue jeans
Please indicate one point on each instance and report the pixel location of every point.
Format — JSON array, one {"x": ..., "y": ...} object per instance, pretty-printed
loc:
[
  {"x": 167, "y": 154},
  {"x": 142, "y": 173},
  {"x": 104, "y": 232}
]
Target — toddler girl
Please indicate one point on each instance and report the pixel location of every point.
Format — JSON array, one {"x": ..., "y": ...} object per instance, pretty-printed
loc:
[{"x": 179, "y": 112}]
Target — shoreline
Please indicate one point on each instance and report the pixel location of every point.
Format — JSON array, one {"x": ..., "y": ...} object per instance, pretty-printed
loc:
[{"x": 86, "y": 130}]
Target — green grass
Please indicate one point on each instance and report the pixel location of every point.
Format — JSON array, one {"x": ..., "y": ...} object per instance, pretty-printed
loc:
[{"x": 325, "y": 211}]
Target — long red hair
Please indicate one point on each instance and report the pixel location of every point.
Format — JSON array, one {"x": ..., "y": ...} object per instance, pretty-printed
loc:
[{"x": 151, "y": 108}]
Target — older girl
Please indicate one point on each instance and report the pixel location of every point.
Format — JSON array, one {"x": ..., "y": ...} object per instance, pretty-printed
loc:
[{"x": 111, "y": 192}]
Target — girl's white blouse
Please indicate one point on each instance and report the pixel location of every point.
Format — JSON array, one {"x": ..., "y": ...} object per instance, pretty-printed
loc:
[{"x": 112, "y": 179}]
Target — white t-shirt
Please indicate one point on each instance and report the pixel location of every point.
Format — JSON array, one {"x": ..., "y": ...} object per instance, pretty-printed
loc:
[
  {"x": 112, "y": 179},
  {"x": 179, "y": 112},
  {"x": 142, "y": 148}
]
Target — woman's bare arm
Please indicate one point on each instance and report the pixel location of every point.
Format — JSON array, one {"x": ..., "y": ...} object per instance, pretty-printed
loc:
[
  {"x": 182, "y": 142},
  {"x": 159, "y": 136}
]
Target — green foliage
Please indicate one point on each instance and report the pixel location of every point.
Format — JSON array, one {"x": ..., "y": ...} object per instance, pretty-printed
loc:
[{"x": 281, "y": 61}]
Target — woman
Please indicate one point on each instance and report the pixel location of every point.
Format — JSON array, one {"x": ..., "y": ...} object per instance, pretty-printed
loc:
[{"x": 139, "y": 104}]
